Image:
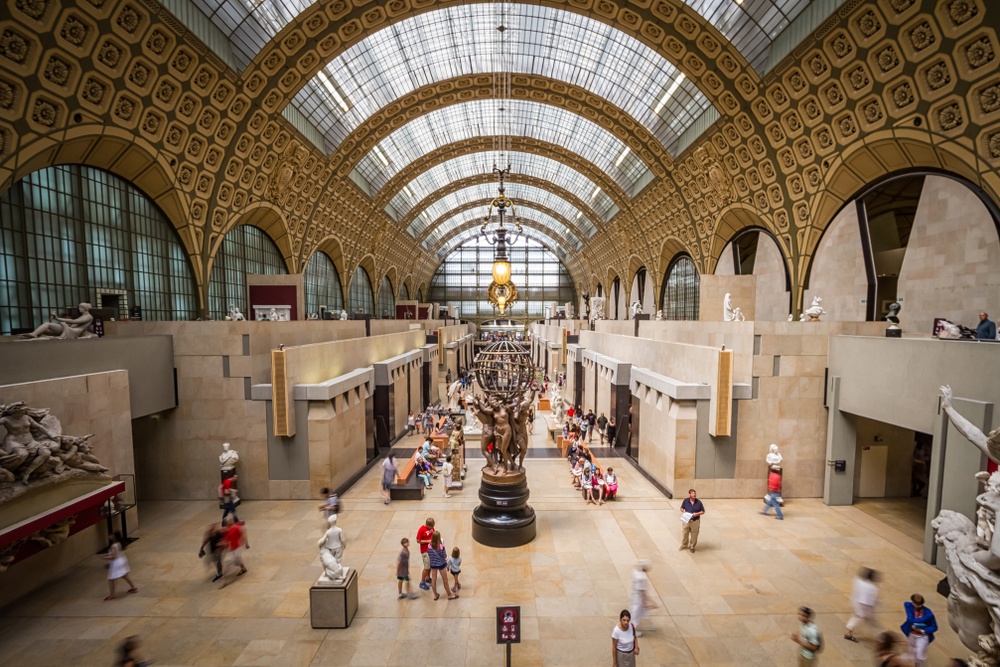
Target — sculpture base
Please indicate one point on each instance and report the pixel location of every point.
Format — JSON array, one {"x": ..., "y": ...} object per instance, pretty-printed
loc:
[
  {"x": 503, "y": 519},
  {"x": 333, "y": 604}
]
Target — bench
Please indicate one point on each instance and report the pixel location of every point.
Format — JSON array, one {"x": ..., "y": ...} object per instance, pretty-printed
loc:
[
  {"x": 408, "y": 486},
  {"x": 597, "y": 464}
]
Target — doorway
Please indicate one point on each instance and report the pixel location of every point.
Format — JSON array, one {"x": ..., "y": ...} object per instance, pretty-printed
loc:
[{"x": 891, "y": 475}]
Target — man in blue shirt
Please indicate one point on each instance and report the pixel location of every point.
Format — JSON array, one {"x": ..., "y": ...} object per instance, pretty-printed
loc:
[
  {"x": 694, "y": 507},
  {"x": 986, "y": 329}
]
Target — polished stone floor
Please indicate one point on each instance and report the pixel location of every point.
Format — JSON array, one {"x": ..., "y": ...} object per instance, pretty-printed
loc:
[{"x": 731, "y": 603}]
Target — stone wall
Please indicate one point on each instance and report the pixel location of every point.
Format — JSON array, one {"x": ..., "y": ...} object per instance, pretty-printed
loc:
[
  {"x": 838, "y": 270},
  {"x": 336, "y": 441},
  {"x": 712, "y": 296},
  {"x": 771, "y": 297},
  {"x": 952, "y": 263}
]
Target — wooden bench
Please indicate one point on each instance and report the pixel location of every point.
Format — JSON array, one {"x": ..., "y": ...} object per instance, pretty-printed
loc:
[
  {"x": 597, "y": 464},
  {"x": 408, "y": 486}
]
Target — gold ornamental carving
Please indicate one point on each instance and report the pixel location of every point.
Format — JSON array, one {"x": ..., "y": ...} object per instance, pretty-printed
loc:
[{"x": 284, "y": 173}]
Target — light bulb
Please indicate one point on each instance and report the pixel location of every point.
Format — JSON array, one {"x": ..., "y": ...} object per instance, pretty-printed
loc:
[{"x": 501, "y": 272}]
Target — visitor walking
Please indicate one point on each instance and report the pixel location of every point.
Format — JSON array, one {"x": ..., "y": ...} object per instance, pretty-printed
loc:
[
  {"x": 864, "y": 595},
  {"x": 438, "y": 559},
  {"x": 128, "y": 654},
  {"x": 424, "y": 535},
  {"x": 624, "y": 641},
  {"x": 919, "y": 628},
  {"x": 389, "y": 472},
  {"x": 455, "y": 567},
  {"x": 236, "y": 542},
  {"x": 215, "y": 541},
  {"x": 808, "y": 638},
  {"x": 641, "y": 599},
  {"x": 691, "y": 511},
  {"x": 118, "y": 568}
]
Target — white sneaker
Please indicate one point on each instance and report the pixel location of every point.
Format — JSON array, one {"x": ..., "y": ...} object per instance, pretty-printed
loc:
[{"x": 447, "y": 495}]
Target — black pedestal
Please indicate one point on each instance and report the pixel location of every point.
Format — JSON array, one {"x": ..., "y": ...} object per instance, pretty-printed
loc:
[{"x": 503, "y": 519}]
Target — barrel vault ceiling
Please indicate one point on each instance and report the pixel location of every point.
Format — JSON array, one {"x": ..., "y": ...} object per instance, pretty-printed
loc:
[{"x": 367, "y": 129}]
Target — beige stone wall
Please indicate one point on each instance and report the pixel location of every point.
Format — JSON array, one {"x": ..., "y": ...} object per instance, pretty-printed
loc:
[
  {"x": 312, "y": 364},
  {"x": 952, "y": 264},
  {"x": 712, "y": 296},
  {"x": 336, "y": 440},
  {"x": 414, "y": 390},
  {"x": 735, "y": 336},
  {"x": 899, "y": 465},
  {"x": 400, "y": 398},
  {"x": 616, "y": 327},
  {"x": 382, "y": 327},
  {"x": 771, "y": 297},
  {"x": 838, "y": 270},
  {"x": 667, "y": 435},
  {"x": 98, "y": 404}
]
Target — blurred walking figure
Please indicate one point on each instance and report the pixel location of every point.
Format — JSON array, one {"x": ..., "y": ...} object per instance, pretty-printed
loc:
[
  {"x": 864, "y": 595},
  {"x": 118, "y": 569}
]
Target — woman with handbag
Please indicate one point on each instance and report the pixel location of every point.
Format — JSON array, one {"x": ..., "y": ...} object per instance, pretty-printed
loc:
[{"x": 624, "y": 641}]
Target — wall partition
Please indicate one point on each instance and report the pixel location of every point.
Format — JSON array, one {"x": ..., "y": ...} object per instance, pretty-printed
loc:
[{"x": 73, "y": 233}]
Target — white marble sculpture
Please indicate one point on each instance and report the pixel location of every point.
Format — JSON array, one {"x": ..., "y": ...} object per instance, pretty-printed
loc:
[
  {"x": 343, "y": 314},
  {"x": 597, "y": 304},
  {"x": 949, "y": 330},
  {"x": 636, "y": 308},
  {"x": 813, "y": 312},
  {"x": 773, "y": 457},
  {"x": 659, "y": 316},
  {"x": 35, "y": 451},
  {"x": 331, "y": 552},
  {"x": 455, "y": 396},
  {"x": 973, "y": 553},
  {"x": 235, "y": 315},
  {"x": 228, "y": 458},
  {"x": 63, "y": 328},
  {"x": 729, "y": 313},
  {"x": 558, "y": 408}
]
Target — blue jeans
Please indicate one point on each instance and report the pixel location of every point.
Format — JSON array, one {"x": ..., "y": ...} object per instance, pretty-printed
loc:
[
  {"x": 227, "y": 509},
  {"x": 773, "y": 502}
]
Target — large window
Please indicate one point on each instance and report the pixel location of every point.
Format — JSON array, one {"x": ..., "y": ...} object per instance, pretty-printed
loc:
[
  {"x": 386, "y": 302},
  {"x": 679, "y": 300},
  {"x": 404, "y": 292},
  {"x": 360, "y": 298},
  {"x": 74, "y": 233},
  {"x": 245, "y": 249},
  {"x": 466, "y": 274},
  {"x": 323, "y": 285}
]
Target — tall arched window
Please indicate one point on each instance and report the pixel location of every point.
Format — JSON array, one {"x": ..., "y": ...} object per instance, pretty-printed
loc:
[
  {"x": 616, "y": 292},
  {"x": 74, "y": 233},
  {"x": 679, "y": 300},
  {"x": 323, "y": 285},
  {"x": 360, "y": 298},
  {"x": 404, "y": 292},
  {"x": 246, "y": 249},
  {"x": 386, "y": 302}
]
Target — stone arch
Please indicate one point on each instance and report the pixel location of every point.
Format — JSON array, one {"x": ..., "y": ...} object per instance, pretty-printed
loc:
[
  {"x": 329, "y": 27},
  {"x": 269, "y": 219},
  {"x": 126, "y": 155},
  {"x": 730, "y": 222},
  {"x": 669, "y": 249},
  {"x": 330, "y": 245}
]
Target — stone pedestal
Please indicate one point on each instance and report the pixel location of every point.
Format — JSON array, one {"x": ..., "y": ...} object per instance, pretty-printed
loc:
[
  {"x": 333, "y": 605},
  {"x": 503, "y": 519}
]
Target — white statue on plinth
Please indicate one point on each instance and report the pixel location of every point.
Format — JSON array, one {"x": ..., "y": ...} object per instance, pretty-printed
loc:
[
  {"x": 597, "y": 308},
  {"x": 455, "y": 396},
  {"x": 636, "y": 308},
  {"x": 331, "y": 551},
  {"x": 558, "y": 409},
  {"x": 343, "y": 314},
  {"x": 63, "y": 328},
  {"x": 235, "y": 315},
  {"x": 228, "y": 458},
  {"x": 813, "y": 312},
  {"x": 729, "y": 313},
  {"x": 659, "y": 316},
  {"x": 773, "y": 457}
]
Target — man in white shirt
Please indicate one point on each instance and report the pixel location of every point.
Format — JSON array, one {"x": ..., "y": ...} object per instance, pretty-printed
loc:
[{"x": 864, "y": 595}]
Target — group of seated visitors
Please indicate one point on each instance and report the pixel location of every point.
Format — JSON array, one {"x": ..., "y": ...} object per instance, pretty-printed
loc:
[{"x": 587, "y": 476}]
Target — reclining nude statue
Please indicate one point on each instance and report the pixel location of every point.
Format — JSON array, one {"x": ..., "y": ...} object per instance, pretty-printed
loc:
[
  {"x": 973, "y": 552},
  {"x": 63, "y": 328}
]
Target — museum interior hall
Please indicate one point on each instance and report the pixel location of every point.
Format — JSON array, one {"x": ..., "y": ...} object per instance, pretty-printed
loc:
[{"x": 528, "y": 284}]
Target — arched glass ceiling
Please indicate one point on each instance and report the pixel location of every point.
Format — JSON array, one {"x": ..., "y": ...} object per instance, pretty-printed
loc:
[
  {"x": 543, "y": 41},
  {"x": 474, "y": 219},
  {"x": 753, "y": 25},
  {"x": 478, "y": 118},
  {"x": 527, "y": 164},
  {"x": 249, "y": 24},
  {"x": 543, "y": 238},
  {"x": 487, "y": 191}
]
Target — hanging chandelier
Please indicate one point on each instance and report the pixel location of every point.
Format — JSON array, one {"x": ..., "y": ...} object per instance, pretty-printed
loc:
[{"x": 502, "y": 292}]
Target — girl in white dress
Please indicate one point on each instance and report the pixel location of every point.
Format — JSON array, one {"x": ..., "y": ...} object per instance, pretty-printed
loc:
[{"x": 118, "y": 569}]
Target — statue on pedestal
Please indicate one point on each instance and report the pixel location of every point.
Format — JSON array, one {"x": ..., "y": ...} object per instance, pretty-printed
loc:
[
  {"x": 659, "y": 316},
  {"x": 813, "y": 312},
  {"x": 773, "y": 457},
  {"x": 455, "y": 396},
  {"x": 235, "y": 315},
  {"x": 331, "y": 551},
  {"x": 228, "y": 458},
  {"x": 636, "y": 308},
  {"x": 64, "y": 328},
  {"x": 343, "y": 314},
  {"x": 597, "y": 308},
  {"x": 973, "y": 552},
  {"x": 893, "y": 315},
  {"x": 729, "y": 313}
]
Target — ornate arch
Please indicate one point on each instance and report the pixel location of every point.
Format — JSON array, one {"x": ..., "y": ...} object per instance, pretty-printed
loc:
[
  {"x": 731, "y": 221},
  {"x": 533, "y": 88},
  {"x": 328, "y": 28},
  {"x": 518, "y": 144},
  {"x": 125, "y": 155},
  {"x": 269, "y": 219}
]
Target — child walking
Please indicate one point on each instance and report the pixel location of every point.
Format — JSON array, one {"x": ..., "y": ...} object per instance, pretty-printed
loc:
[
  {"x": 403, "y": 571},
  {"x": 455, "y": 567},
  {"x": 118, "y": 569}
]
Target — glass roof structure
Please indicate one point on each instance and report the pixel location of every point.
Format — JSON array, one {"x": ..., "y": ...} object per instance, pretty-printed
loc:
[
  {"x": 544, "y": 41},
  {"x": 527, "y": 164},
  {"x": 474, "y": 219},
  {"x": 530, "y": 232},
  {"x": 478, "y": 118},
  {"x": 250, "y": 24},
  {"x": 523, "y": 196}
]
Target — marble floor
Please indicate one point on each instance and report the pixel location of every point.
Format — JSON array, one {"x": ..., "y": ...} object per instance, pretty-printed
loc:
[{"x": 731, "y": 603}]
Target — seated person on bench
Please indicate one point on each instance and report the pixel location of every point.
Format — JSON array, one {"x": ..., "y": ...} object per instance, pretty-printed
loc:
[
  {"x": 577, "y": 471},
  {"x": 422, "y": 469},
  {"x": 429, "y": 451},
  {"x": 611, "y": 483}
]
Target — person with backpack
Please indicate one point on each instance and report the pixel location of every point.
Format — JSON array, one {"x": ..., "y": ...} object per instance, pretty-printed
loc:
[
  {"x": 624, "y": 641},
  {"x": 809, "y": 638}
]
